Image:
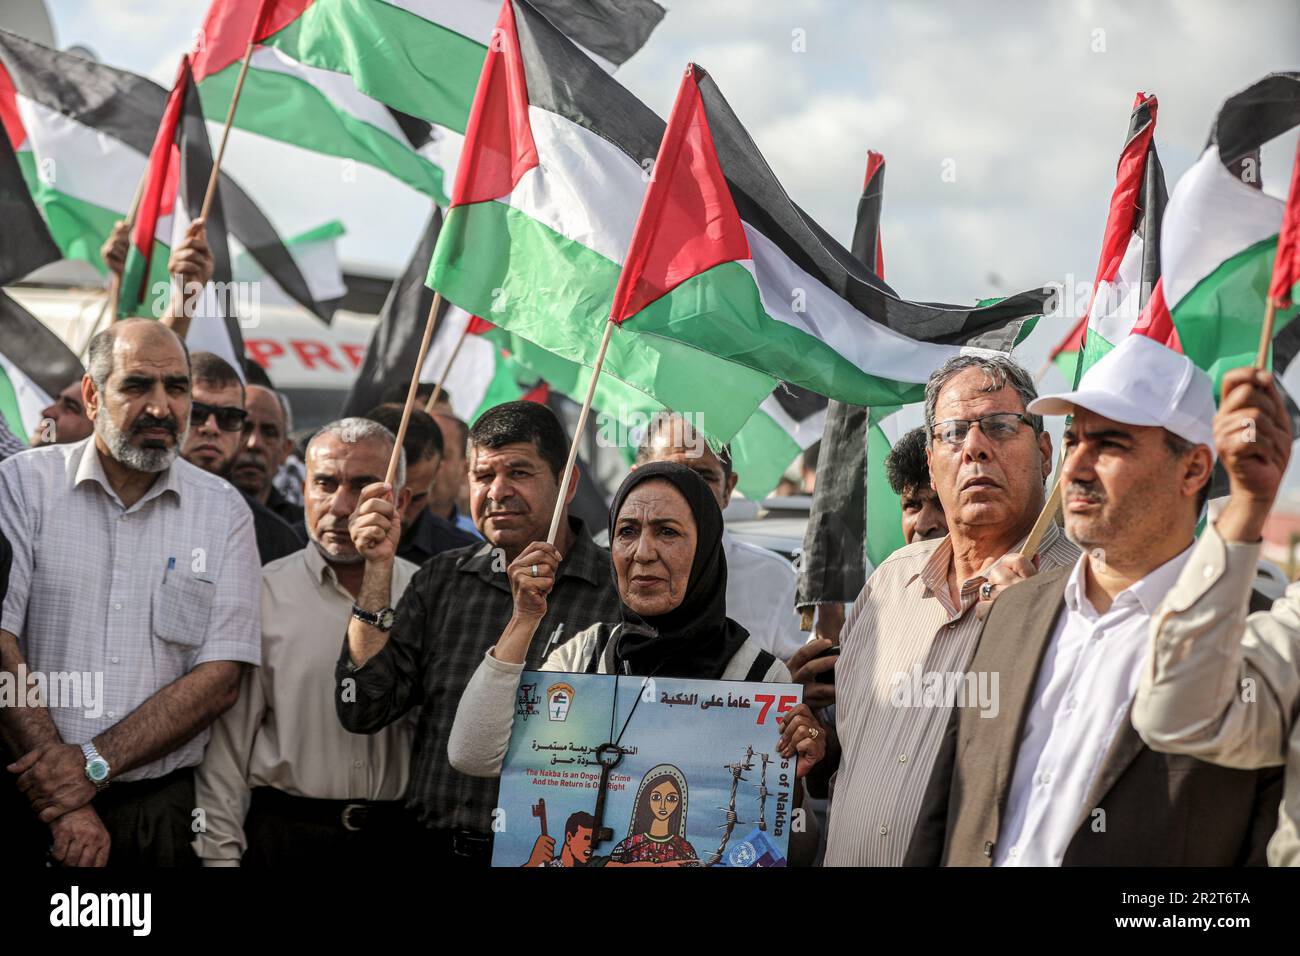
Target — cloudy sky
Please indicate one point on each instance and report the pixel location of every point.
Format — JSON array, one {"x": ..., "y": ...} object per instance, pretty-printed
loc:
[{"x": 1024, "y": 103}]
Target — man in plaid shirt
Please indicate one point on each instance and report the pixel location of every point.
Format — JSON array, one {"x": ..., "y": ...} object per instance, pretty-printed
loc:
[{"x": 456, "y": 607}]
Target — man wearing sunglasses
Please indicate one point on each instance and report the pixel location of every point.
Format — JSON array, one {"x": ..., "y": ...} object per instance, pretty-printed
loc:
[
  {"x": 914, "y": 628},
  {"x": 216, "y": 433}
]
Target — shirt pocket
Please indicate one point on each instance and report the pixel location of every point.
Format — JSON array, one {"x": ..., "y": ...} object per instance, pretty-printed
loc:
[{"x": 182, "y": 606}]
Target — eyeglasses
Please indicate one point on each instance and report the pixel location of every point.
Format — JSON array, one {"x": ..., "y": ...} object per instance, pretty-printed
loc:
[
  {"x": 998, "y": 427},
  {"x": 229, "y": 418}
]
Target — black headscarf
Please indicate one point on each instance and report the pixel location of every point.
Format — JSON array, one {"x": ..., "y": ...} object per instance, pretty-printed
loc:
[{"x": 696, "y": 639}]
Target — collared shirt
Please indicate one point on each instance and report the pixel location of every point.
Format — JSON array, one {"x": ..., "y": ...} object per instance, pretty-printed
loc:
[
  {"x": 432, "y": 535},
  {"x": 760, "y": 596},
  {"x": 1082, "y": 696},
  {"x": 904, "y": 645},
  {"x": 283, "y": 732},
  {"x": 455, "y": 608},
  {"x": 133, "y": 598}
]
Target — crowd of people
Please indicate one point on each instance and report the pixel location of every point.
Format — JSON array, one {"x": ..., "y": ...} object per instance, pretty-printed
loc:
[{"x": 285, "y": 659}]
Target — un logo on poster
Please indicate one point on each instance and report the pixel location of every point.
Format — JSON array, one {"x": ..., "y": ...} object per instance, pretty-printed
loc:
[{"x": 742, "y": 854}]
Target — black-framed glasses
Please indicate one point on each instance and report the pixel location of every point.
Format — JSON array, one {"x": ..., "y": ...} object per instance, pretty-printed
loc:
[
  {"x": 229, "y": 418},
  {"x": 997, "y": 427}
]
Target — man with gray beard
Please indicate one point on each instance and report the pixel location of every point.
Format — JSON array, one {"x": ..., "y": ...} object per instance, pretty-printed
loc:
[
  {"x": 134, "y": 565},
  {"x": 282, "y": 783}
]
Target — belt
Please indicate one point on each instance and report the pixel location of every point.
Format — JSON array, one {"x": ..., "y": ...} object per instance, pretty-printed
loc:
[{"x": 351, "y": 815}]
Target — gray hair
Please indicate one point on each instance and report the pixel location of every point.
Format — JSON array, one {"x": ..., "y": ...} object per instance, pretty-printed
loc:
[
  {"x": 1001, "y": 372},
  {"x": 353, "y": 430},
  {"x": 99, "y": 354},
  {"x": 287, "y": 409}
]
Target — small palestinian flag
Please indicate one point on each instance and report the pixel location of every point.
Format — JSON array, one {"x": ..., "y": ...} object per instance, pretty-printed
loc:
[
  {"x": 1219, "y": 240},
  {"x": 387, "y": 83},
  {"x": 82, "y": 133},
  {"x": 548, "y": 193},
  {"x": 1129, "y": 266},
  {"x": 180, "y": 166}
]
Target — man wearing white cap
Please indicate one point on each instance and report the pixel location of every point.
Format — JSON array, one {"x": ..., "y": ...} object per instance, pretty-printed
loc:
[
  {"x": 1058, "y": 776},
  {"x": 1221, "y": 685}
]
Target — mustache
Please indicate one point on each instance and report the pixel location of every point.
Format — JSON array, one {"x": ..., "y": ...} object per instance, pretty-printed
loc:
[
  {"x": 145, "y": 420},
  {"x": 1078, "y": 491}
]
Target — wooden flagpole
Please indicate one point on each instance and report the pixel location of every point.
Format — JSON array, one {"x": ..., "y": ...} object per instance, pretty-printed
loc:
[
  {"x": 1045, "y": 518},
  {"x": 446, "y": 370},
  {"x": 115, "y": 283},
  {"x": 1266, "y": 333},
  {"x": 230, "y": 119},
  {"x": 391, "y": 474},
  {"x": 577, "y": 434}
]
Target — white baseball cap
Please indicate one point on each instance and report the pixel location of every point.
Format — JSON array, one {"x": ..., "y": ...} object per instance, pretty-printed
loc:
[{"x": 1141, "y": 382}]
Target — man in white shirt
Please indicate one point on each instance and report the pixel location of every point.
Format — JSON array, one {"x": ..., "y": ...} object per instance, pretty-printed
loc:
[
  {"x": 282, "y": 783},
  {"x": 760, "y": 583},
  {"x": 1056, "y": 774},
  {"x": 138, "y": 572}
]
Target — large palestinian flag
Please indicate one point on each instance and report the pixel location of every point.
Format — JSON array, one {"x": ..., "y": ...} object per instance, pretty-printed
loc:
[
  {"x": 1219, "y": 240},
  {"x": 388, "y": 83},
  {"x": 82, "y": 133},
  {"x": 548, "y": 193}
]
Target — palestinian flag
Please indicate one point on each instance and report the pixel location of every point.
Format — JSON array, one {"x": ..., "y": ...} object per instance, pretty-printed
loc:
[
  {"x": 792, "y": 419},
  {"x": 82, "y": 133},
  {"x": 180, "y": 166},
  {"x": 315, "y": 253},
  {"x": 35, "y": 366},
  {"x": 1286, "y": 267},
  {"x": 547, "y": 195},
  {"x": 482, "y": 376},
  {"x": 388, "y": 83},
  {"x": 1219, "y": 241},
  {"x": 1129, "y": 266},
  {"x": 25, "y": 243}
]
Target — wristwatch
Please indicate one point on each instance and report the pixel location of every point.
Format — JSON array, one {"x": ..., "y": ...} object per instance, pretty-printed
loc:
[
  {"x": 96, "y": 767},
  {"x": 381, "y": 619}
]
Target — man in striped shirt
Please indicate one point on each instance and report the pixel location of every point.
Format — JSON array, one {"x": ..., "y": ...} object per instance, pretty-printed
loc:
[{"x": 913, "y": 629}]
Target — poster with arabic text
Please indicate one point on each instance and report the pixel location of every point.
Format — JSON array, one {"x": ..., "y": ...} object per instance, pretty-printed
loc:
[{"x": 690, "y": 772}]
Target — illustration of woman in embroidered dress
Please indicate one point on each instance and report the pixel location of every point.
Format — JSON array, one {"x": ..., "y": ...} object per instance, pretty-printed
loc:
[{"x": 657, "y": 834}]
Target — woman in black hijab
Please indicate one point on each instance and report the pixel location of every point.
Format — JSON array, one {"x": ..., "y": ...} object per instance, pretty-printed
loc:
[{"x": 665, "y": 534}]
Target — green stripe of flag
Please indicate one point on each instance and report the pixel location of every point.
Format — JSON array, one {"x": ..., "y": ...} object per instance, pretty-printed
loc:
[
  {"x": 573, "y": 287},
  {"x": 401, "y": 59},
  {"x": 287, "y": 108}
]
